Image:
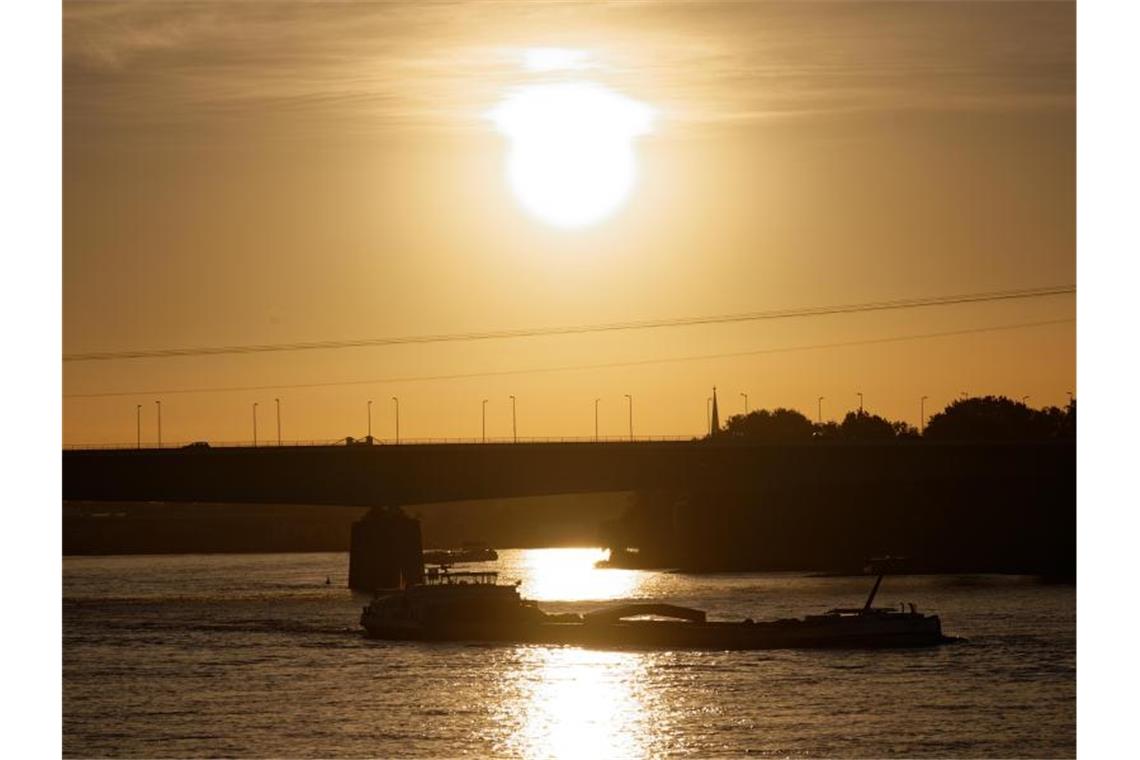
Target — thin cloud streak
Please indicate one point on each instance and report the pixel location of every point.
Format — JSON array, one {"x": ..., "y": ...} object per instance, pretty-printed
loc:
[{"x": 438, "y": 66}]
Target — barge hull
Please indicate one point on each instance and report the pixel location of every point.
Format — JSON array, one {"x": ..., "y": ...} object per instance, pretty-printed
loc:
[{"x": 874, "y": 634}]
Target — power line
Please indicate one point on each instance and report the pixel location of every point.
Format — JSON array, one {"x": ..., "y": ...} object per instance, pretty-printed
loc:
[
  {"x": 814, "y": 311},
  {"x": 567, "y": 368}
]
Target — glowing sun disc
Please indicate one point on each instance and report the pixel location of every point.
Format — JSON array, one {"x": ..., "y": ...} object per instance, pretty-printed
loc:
[{"x": 571, "y": 161}]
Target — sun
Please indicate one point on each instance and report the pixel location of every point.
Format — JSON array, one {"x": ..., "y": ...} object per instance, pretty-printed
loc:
[{"x": 571, "y": 161}]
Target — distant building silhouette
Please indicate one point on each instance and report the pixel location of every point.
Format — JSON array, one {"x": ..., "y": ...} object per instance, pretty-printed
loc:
[{"x": 714, "y": 425}]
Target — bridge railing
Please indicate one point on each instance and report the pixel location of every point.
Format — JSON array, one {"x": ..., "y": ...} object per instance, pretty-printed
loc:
[{"x": 261, "y": 444}]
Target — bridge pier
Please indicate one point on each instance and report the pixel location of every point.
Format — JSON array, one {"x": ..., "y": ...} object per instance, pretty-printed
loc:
[{"x": 386, "y": 551}]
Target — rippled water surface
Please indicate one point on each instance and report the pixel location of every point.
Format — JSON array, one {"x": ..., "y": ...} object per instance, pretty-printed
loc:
[{"x": 253, "y": 655}]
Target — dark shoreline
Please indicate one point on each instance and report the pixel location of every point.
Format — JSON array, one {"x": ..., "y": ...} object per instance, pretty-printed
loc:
[{"x": 164, "y": 528}]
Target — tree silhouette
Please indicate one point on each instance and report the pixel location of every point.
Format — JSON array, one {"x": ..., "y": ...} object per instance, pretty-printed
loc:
[
  {"x": 827, "y": 431},
  {"x": 997, "y": 418},
  {"x": 1069, "y": 423},
  {"x": 863, "y": 426},
  {"x": 777, "y": 426},
  {"x": 988, "y": 418},
  {"x": 904, "y": 430}
]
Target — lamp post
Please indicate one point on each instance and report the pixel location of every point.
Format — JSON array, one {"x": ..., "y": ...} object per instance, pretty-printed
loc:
[
  {"x": 484, "y": 420},
  {"x": 922, "y": 415},
  {"x": 514, "y": 426},
  {"x": 138, "y": 426},
  {"x": 277, "y": 401},
  {"x": 255, "y": 424},
  {"x": 159, "y": 405},
  {"x": 397, "y": 418},
  {"x": 819, "y": 410},
  {"x": 630, "y": 399},
  {"x": 370, "y": 420},
  {"x": 596, "y": 419},
  {"x": 860, "y": 394},
  {"x": 745, "y": 403}
]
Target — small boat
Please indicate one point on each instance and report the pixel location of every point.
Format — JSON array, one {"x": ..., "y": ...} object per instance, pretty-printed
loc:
[
  {"x": 471, "y": 551},
  {"x": 473, "y": 606}
]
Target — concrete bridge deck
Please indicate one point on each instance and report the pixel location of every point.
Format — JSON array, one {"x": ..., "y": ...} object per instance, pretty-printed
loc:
[
  {"x": 723, "y": 504},
  {"x": 372, "y": 475}
]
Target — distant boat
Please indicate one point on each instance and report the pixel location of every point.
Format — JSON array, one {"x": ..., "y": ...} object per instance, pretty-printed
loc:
[
  {"x": 629, "y": 558},
  {"x": 473, "y": 606},
  {"x": 472, "y": 551}
]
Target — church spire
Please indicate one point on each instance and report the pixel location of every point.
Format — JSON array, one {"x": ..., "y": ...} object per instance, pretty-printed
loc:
[{"x": 714, "y": 427}]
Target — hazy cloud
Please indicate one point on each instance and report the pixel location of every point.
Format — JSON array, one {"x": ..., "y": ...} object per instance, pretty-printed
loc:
[{"x": 369, "y": 66}]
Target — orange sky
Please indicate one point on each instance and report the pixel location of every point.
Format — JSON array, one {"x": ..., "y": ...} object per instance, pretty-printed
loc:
[{"x": 278, "y": 172}]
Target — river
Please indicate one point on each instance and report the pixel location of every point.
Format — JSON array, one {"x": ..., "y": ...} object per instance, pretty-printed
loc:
[{"x": 256, "y": 656}]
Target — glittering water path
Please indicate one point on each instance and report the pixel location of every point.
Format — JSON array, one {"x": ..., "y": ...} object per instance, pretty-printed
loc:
[{"x": 253, "y": 655}]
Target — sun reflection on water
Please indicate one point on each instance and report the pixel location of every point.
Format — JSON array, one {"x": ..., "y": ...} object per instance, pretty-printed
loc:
[
  {"x": 569, "y": 575},
  {"x": 574, "y": 703}
]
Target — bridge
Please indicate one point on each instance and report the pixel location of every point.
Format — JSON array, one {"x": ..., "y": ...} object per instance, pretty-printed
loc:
[
  {"x": 377, "y": 475},
  {"x": 1004, "y": 505}
]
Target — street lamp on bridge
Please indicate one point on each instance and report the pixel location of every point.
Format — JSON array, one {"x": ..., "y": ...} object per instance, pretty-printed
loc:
[
  {"x": 277, "y": 401},
  {"x": 484, "y": 420},
  {"x": 370, "y": 420},
  {"x": 629, "y": 398},
  {"x": 745, "y": 395},
  {"x": 397, "y": 418},
  {"x": 255, "y": 424},
  {"x": 138, "y": 426},
  {"x": 819, "y": 410},
  {"x": 159, "y": 405},
  {"x": 514, "y": 426},
  {"x": 596, "y": 419}
]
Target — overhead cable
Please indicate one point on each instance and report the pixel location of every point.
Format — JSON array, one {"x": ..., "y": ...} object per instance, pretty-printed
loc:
[
  {"x": 813, "y": 311},
  {"x": 567, "y": 368}
]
